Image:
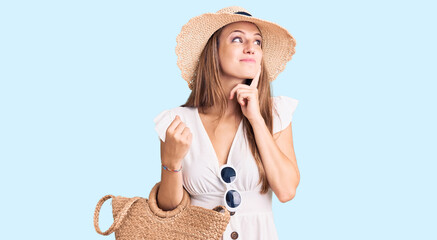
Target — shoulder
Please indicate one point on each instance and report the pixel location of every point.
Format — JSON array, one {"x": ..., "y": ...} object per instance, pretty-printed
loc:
[
  {"x": 281, "y": 101},
  {"x": 183, "y": 112},
  {"x": 283, "y": 109},
  {"x": 165, "y": 117}
]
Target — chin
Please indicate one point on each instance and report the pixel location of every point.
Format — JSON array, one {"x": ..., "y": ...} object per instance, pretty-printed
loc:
[
  {"x": 248, "y": 76},
  {"x": 245, "y": 74},
  {"x": 242, "y": 73}
]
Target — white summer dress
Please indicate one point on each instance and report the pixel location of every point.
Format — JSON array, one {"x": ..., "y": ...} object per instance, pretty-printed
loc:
[{"x": 253, "y": 218}]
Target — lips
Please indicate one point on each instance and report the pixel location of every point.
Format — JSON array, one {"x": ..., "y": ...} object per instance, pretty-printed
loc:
[{"x": 248, "y": 60}]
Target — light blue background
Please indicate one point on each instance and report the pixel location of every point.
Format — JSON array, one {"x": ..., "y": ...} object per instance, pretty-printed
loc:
[{"x": 81, "y": 82}]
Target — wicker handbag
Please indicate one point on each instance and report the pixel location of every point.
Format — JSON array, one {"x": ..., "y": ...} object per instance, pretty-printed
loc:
[{"x": 138, "y": 218}]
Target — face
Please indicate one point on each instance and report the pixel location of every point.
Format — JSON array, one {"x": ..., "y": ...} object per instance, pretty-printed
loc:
[{"x": 240, "y": 50}]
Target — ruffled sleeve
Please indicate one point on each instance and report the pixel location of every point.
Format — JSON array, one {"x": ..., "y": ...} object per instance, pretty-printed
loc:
[
  {"x": 285, "y": 107},
  {"x": 162, "y": 121}
]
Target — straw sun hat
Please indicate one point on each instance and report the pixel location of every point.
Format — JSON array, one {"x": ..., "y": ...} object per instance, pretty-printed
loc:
[{"x": 278, "y": 43}]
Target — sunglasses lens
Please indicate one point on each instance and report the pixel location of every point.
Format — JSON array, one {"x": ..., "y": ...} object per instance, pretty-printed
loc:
[
  {"x": 233, "y": 198},
  {"x": 228, "y": 174}
]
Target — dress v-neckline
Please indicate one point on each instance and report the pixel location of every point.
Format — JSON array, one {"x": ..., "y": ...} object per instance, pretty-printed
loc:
[{"x": 217, "y": 163}]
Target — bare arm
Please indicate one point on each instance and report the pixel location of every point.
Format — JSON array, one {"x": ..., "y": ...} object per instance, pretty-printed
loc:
[
  {"x": 279, "y": 160},
  {"x": 170, "y": 190},
  {"x": 173, "y": 150}
]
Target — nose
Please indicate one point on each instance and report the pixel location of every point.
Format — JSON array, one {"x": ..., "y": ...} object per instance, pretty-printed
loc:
[{"x": 249, "y": 48}]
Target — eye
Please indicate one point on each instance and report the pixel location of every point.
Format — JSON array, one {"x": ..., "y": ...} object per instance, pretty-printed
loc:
[
  {"x": 236, "y": 38},
  {"x": 259, "y": 42}
]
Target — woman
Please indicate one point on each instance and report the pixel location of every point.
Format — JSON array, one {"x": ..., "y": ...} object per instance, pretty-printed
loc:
[{"x": 232, "y": 139}]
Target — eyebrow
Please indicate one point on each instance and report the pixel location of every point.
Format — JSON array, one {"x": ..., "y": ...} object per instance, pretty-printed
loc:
[{"x": 245, "y": 33}]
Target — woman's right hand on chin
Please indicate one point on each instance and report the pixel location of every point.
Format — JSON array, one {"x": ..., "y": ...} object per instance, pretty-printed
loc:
[{"x": 177, "y": 143}]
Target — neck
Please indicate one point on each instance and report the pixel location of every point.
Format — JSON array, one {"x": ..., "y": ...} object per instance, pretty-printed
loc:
[{"x": 232, "y": 110}]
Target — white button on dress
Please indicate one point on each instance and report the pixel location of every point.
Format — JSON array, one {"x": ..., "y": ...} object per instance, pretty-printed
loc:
[{"x": 201, "y": 178}]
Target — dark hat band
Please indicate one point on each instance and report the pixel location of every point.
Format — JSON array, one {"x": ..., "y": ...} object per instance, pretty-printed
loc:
[{"x": 243, "y": 13}]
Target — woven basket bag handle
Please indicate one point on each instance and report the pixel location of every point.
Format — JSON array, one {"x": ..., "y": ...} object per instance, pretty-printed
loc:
[
  {"x": 152, "y": 203},
  {"x": 118, "y": 220},
  {"x": 186, "y": 201}
]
